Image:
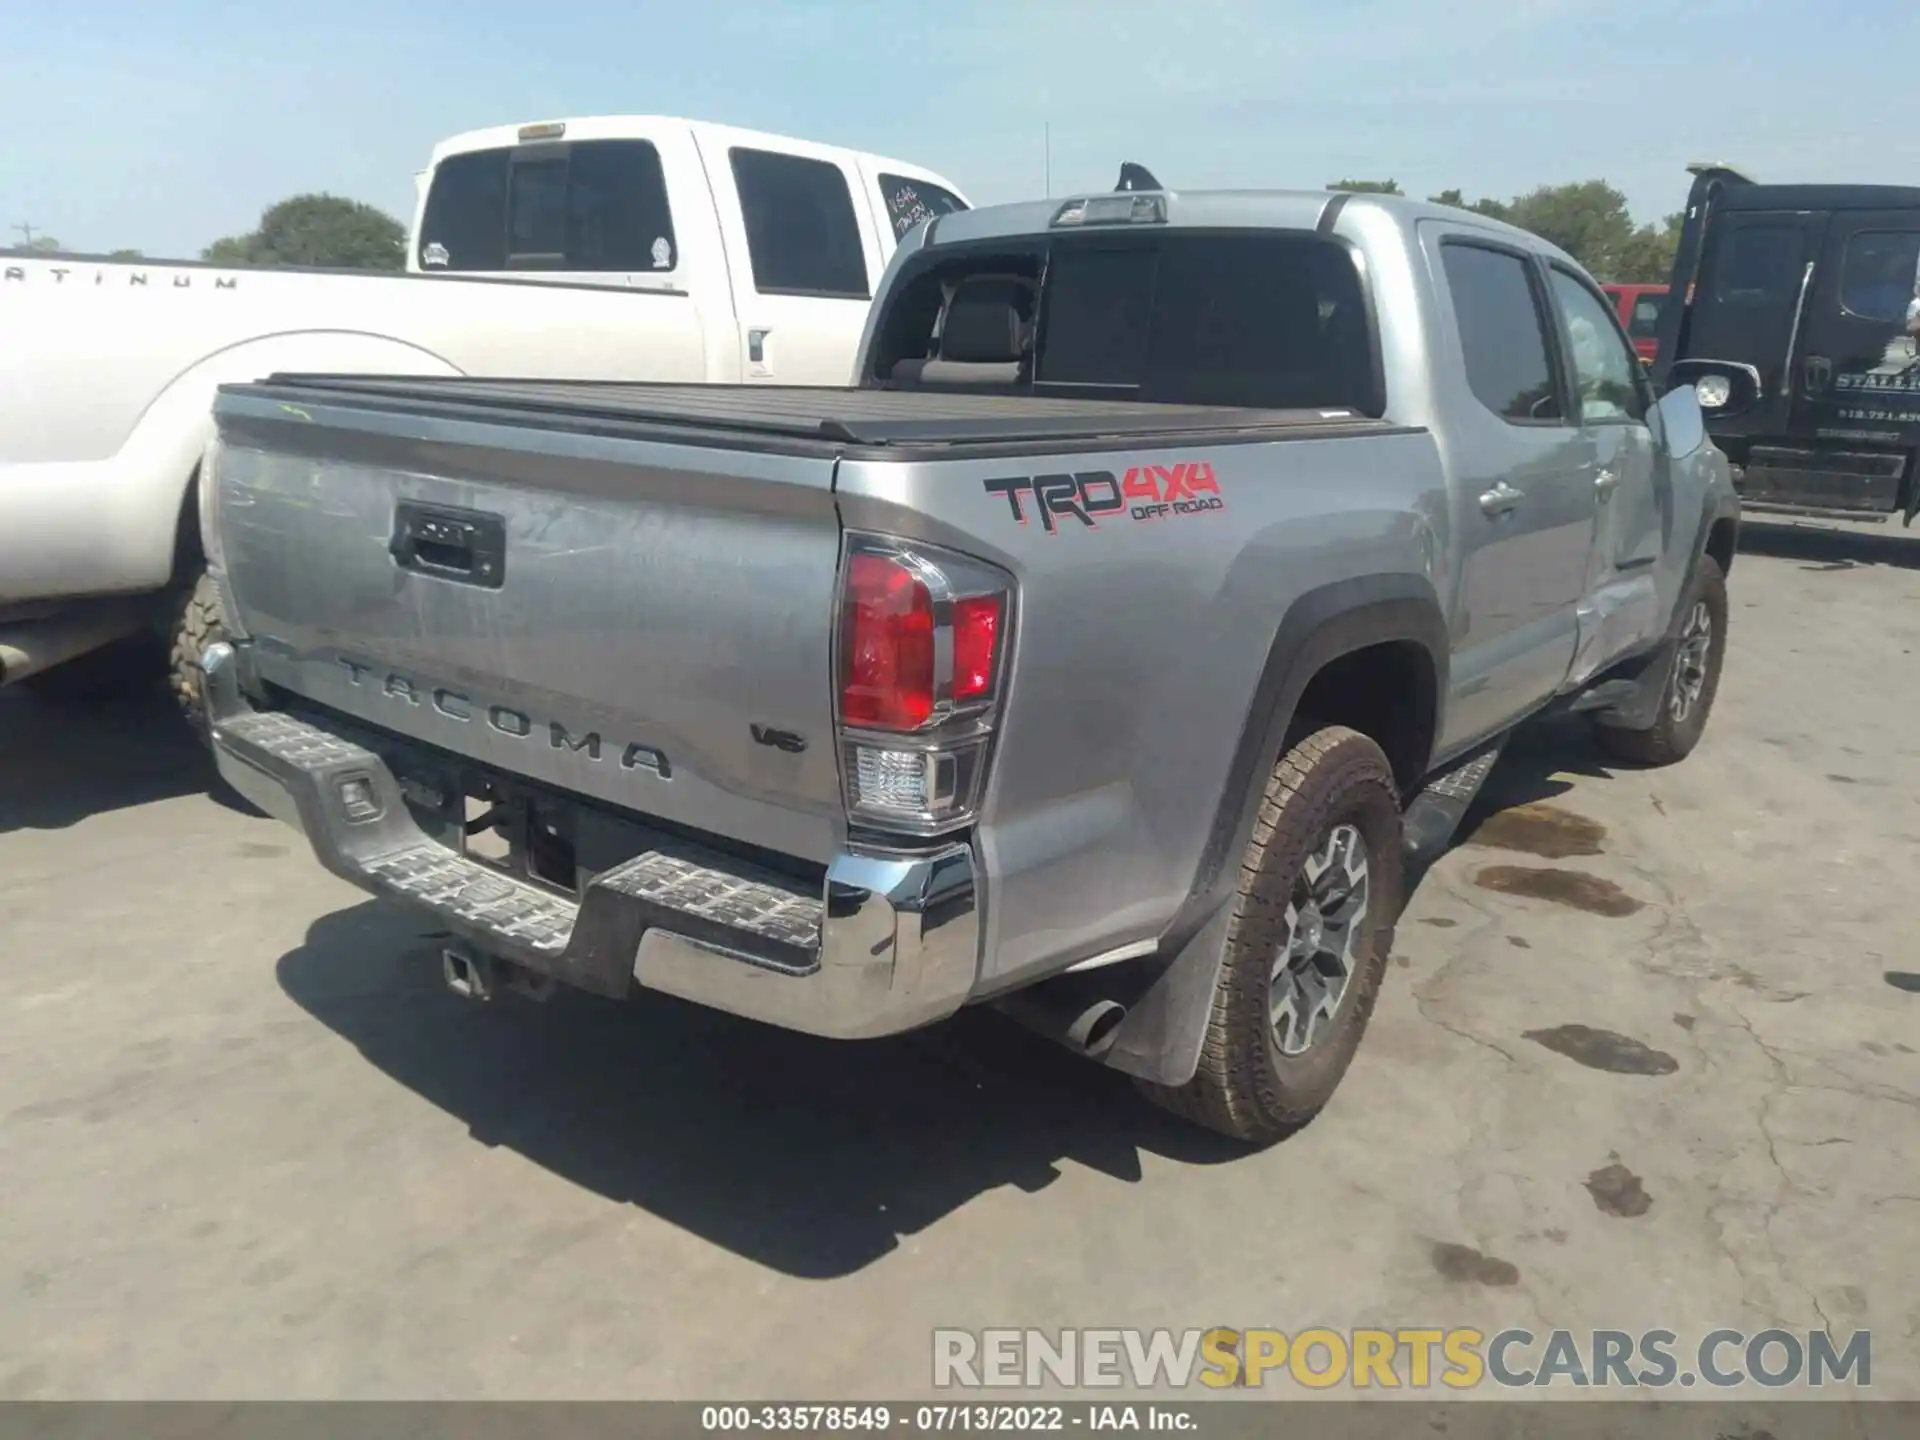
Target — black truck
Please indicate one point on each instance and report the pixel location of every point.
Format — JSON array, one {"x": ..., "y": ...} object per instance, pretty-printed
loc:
[{"x": 1794, "y": 312}]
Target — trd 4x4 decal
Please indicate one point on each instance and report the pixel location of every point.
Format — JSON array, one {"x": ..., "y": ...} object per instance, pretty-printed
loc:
[{"x": 1145, "y": 492}]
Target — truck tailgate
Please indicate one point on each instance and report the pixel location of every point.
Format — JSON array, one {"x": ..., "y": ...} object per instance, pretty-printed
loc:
[{"x": 637, "y": 621}]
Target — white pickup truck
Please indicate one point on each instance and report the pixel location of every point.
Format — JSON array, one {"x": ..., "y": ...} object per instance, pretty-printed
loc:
[{"x": 626, "y": 247}]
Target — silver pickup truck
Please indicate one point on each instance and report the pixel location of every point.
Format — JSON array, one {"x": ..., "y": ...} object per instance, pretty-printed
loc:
[{"x": 1156, "y": 598}]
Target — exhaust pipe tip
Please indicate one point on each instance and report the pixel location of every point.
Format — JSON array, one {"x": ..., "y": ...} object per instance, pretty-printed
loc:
[
  {"x": 1092, "y": 1033},
  {"x": 1088, "y": 1027}
]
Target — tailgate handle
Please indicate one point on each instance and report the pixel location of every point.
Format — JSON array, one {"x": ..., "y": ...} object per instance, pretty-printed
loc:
[{"x": 468, "y": 547}]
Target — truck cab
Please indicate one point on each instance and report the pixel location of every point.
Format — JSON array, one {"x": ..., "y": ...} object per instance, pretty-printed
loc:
[
  {"x": 1797, "y": 323},
  {"x": 1638, "y": 307},
  {"x": 632, "y": 248},
  {"x": 659, "y": 203}
]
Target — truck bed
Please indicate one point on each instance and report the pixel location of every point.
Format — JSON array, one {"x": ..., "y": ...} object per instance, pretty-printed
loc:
[
  {"x": 648, "y": 582},
  {"x": 800, "y": 419}
]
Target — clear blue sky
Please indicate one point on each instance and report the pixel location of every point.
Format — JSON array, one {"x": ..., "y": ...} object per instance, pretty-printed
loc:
[{"x": 162, "y": 126}]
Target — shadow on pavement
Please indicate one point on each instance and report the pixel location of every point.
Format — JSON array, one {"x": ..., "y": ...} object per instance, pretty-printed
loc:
[
  {"x": 1822, "y": 547},
  {"x": 61, "y": 763},
  {"x": 812, "y": 1157},
  {"x": 1541, "y": 762}
]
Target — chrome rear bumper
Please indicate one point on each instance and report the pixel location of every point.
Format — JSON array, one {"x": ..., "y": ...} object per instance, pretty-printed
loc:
[{"x": 888, "y": 943}]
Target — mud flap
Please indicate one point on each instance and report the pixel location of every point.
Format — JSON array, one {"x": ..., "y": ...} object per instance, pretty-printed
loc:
[{"x": 1160, "y": 1039}]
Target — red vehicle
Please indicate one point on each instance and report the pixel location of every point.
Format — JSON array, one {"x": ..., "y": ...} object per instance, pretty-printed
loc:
[{"x": 1639, "y": 309}]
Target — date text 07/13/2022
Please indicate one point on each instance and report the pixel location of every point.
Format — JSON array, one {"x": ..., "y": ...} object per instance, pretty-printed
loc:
[{"x": 944, "y": 1419}]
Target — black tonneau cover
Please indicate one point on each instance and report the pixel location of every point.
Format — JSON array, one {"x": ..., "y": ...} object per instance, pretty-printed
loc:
[{"x": 803, "y": 416}]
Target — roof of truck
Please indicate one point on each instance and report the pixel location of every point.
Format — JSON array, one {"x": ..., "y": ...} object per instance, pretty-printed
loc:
[
  {"x": 1233, "y": 210},
  {"x": 621, "y": 127},
  {"x": 1819, "y": 197}
]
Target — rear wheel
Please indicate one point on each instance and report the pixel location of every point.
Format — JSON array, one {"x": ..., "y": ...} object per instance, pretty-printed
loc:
[
  {"x": 1693, "y": 678},
  {"x": 1306, "y": 945},
  {"x": 195, "y": 624}
]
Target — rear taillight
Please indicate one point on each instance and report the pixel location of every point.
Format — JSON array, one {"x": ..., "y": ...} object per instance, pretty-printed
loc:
[
  {"x": 976, "y": 636},
  {"x": 923, "y": 640},
  {"x": 887, "y": 678}
]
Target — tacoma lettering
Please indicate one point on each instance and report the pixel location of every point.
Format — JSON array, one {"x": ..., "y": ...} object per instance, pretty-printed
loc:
[
  {"x": 589, "y": 742},
  {"x": 453, "y": 705}
]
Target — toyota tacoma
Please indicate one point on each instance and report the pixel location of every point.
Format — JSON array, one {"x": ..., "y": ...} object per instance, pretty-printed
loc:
[{"x": 1111, "y": 650}]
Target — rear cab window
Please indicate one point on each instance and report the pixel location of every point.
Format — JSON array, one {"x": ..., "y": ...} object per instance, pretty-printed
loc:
[
  {"x": 586, "y": 205},
  {"x": 803, "y": 235},
  {"x": 1257, "y": 319}
]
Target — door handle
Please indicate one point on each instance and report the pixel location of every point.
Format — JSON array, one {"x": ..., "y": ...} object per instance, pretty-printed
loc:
[
  {"x": 466, "y": 546},
  {"x": 757, "y": 346},
  {"x": 1605, "y": 482},
  {"x": 1793, "y": 335},
  {"x": 1500, "y": 499}
]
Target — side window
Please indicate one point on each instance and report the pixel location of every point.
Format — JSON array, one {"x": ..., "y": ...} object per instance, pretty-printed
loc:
[
  {"x": 1758, "y": 265},
  {"x": 802, "y": 235},
  {"x": 1503, "y": 339},
  {"x": 911, "y": 201},
  {"x": 1877, "y": 274},
  {"x": 1604, "y": 368}
]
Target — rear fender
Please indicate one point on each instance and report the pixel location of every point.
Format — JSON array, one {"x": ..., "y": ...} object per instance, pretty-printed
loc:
[
  {"x": 155, "y": 467},
  {"x": 1170, "y": 995}
]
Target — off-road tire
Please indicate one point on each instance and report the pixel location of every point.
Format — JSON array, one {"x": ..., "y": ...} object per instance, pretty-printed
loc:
[
  {"x": 1671, "y": 740},
  {"x": 1244, "y": 1087},
  {"x": 195, "y": 624}
]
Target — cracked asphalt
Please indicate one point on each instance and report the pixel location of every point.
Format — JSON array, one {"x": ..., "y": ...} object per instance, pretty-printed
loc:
[{"x": 1648, "y": 1058}]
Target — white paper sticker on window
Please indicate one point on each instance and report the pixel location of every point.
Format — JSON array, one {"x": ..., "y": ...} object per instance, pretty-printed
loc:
[
  {"x": 435, "y": 254},
  {"x": 662, "y": 254}
]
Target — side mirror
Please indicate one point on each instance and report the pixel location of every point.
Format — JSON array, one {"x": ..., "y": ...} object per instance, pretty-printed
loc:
[
  {"x": 1681, "y": 423},
  {"x": 1721, "y": 388}
]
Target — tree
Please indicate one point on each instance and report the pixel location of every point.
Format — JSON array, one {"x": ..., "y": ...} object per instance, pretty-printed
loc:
[
  {"x": 1493, "y": 209},
  {"x": 324, "y": 230},
  {"x": 124, "y": 255},
  {"x": 43, "y": 245},
  {"x": 1649, "y": 259},
  {"x": 1368, "y": 187},
  {"x": 1589, "y": 220}
]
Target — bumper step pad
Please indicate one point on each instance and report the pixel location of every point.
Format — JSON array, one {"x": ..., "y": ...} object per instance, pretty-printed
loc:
[
  {"x": 700, "y": 895},
  {"x": 468, "y": 891}
]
